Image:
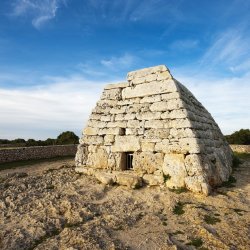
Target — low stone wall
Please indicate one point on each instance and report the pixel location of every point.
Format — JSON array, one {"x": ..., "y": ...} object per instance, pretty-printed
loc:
[
  {"x": 40, "y": 152},
  {"x": 240, "y": 148}
]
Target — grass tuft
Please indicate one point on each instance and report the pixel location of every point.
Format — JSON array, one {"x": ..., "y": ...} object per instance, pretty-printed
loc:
[
  {"x": 178, "y": 209},
  {"x": 211, "y": 219},
  {"x": 196, "y": 242},
  {"x": 179, "y": 190}
]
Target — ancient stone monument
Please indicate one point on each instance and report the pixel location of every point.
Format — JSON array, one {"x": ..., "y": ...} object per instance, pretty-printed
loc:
[{"x": 152, "y": 129}]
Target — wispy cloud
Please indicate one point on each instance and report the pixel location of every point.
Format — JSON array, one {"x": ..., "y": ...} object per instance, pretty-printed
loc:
[
  {"x": 45, "y": 111},
  {"x": 227, "y": 99},
  {"x": 121, "y": 62},
  {"x": 184, "y": 44},
  {"x": 40, "y": 11},
  {"x": 229, "y": 49}
]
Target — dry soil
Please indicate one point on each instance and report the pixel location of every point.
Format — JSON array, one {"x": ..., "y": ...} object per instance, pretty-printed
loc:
[{"x": 49, "y": 206}]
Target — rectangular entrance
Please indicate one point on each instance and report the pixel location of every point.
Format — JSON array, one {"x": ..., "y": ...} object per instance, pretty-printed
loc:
[{"x": 127, "y": 161}]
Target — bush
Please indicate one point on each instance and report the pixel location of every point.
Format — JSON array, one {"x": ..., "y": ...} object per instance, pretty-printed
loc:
[
  {"x": 241, "y": 137},
  {"x": 67, "y": 137}
]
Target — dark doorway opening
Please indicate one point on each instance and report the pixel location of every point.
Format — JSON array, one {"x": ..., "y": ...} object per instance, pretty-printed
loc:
[{"x": 129, "y": 161}]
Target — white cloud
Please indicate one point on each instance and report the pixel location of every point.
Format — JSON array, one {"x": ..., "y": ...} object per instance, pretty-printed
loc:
[
  {"x": 117, "y": 63},
  {"x": 227, "y": 99},
  {"x": 40, "y": 11},
  {"x": 184, "y": 44},
  {"x": 45, "y": 111},
  {"x": 229, "y": 49}
]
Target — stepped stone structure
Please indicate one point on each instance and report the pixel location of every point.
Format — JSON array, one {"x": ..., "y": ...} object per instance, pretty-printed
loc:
[{"x": 151, "y": 129}]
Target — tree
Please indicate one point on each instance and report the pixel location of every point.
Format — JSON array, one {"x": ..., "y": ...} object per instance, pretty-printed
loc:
[
  {"x": 67, "y": 137},
  {"x": 241, "y": 137}
]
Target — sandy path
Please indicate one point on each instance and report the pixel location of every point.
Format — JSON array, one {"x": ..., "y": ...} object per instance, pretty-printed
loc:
[{"x": 52, "y": 207}]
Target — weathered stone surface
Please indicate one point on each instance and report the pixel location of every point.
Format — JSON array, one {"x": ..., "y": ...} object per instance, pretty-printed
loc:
[
  {"x": 147, "y": 146},
  {"x": 145, "y": 72},
  {"x": 153, "y": 180},
  {"x": 127, "y": 143},
  {"x": 91, "y": 131},
  {"x": 151, "y": 99},
  {"x": 111, "y": 94},
  {"x": 111, "y": 131},
  {"x": 105, "y": 178},
  {"x": 155, "y": 124},
  {"x": 98, "y": 159},
  {"x": 174, "y": 167},
  {"x": 156, "y": 133},
  {"x": 147, "y": 162},
  {"x": 117, "y": 85},
  {"x": 148, "y": 115},
  {"x": 152, "y": 116},
  {"x": 128, "y": 179},
  {"x": 148, "y": 89}
]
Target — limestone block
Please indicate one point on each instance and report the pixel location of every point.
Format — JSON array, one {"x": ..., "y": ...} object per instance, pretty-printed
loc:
[
  {"x": 105, "y": 178},
  {"x": 136, "y": 108},
  {"x": 92, "y": 148},
  {"x": 96, "y": 124},
  {"x": 144, "y": 72},
  {"x": 105, "y": 118},
  {"x": 174, "y": 167},
  {"x": 107, "y": 103},
  {"x": 147, "y": 146},
  {"x": 155, "y": 124},
  {"x": 151, "y": 77},
  {"x": 164, "y": 76},
  {"x": 156, "y": 133},
  {"x": 98, "y": 159},
  {"x": 131, "y": 131},
  {"x": 111, "y": 131},
  {"x": 197, "y": 184},
  {"x": 141, "y": 131},
  {"x": 109, "y": 139},
  {"x": 147, "y": 162},
  {"x": 133, "y": 124},
  {"x": 85, "y": 170},
  {"x": 168, "y": 96},
  {"x": 91, "y": 131},
  {"x": 111, "y": 94},
  {"x": 93, "y": 139},
  {"x": 147, "y": 89},
  {"x": 175, "y": 104},
  {"x": 101, "y": 110},
  {"x": 115, "y": 161},
  {"x": 191, "y": 145},
  {"x": 182, "y": 133},
  {"x": 95, "y": 117},
  {"x": 81, "y": 155},
  {"x": 153, "y": 180},
  {"x": 120, "y": 124},
  {"x": 126, "y": 143},
  {"x": 125, "y": 102},
  {"x": 120, "y": 110},
  {"x": 137, "y": 80},
  {"x": 117, "y": 85},
  {"x": 130, "y": 116},
  {"x": 120, "y": 117},
  {"x": 177, "y": 114},
  {"x": 159, "y": 106},
  {"x": 181, "y": 123},
  {"x": 148, "y": 115},
  {"x": 128, "y": 179},
  {"x": 151, "y": 99}
]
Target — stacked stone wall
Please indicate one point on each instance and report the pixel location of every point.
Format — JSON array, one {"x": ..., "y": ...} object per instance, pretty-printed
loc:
[
  {"x": 240, "y": 148},
  {"x": 38, "y": 152},
  {"x": 163, "y": 124}
]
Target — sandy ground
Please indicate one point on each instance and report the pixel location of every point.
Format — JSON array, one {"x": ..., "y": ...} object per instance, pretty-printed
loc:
[{"x": 49, "y": 206}]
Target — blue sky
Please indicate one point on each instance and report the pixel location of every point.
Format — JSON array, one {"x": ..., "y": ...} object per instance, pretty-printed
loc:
[{"x": 56, "y": 56}]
